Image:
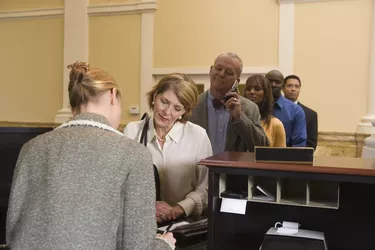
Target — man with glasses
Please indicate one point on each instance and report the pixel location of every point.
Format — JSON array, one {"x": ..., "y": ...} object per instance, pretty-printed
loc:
[
  {"x": 231, "y": 121},
  {"x": 290, "y": 114},
  {"x": 291, "y": 90}
]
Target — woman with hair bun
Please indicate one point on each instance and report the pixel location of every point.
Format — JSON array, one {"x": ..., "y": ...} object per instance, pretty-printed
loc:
[{"x": 84, "y": 185}]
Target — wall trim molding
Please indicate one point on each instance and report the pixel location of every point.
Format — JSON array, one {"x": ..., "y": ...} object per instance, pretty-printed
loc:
[
  {"x": 125, "y": 8},
  {"x": 93, "y": 10},
  {"x": 32, "y": 13},
  {"x": 205, "y": 70},
  {"x": 304, "y": 1}
]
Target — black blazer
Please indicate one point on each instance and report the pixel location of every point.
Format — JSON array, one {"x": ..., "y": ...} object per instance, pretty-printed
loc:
[{"x": 311, "y": 126}]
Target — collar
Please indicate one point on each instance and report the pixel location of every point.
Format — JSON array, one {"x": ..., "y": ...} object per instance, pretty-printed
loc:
[
  {"x": 174, "y": 134},
  {"x": 210, "y": 96},
  {"x": 280, "y": 102},
  {"x": 92, "y": 120},
  {"x": 91, "y": 117}
]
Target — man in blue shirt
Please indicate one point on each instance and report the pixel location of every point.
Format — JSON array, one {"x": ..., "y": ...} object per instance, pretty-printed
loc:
[{"x": 289, "y": 113}]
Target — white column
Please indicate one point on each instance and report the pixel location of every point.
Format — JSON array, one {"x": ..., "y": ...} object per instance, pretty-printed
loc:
[
  {"x": 368, "y": 121},
  {"x": 286, "y": 38},
  {"x": 147, "y": 55},
  {"x": 75, "y": 46},
  {"x": 365, "y": 125}
]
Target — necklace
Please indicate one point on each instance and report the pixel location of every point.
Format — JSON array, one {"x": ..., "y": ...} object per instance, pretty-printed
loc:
[
  {"x": 157, "y": 137},
  {"x": 89, "y": 123}
]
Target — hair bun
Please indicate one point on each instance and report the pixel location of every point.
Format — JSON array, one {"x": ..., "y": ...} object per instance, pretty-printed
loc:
[{"x": 78, "y": 70}]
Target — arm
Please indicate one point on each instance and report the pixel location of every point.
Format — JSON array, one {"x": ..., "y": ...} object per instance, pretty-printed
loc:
[
  {"x": 17, "y": 197},
  {"x": 249, "y": 127},
  {"x": 133, "y": 130},
  {"x": 196, "y": 201},
  {"x": 298, "y": 138},
  {"x": 139, "y": 223},
  {"x": 279, "y": 131},
  {"x": 312, "y": 130}
]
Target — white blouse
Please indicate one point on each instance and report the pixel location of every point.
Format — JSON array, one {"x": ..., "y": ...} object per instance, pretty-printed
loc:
[{"x": 182, "y": 180}]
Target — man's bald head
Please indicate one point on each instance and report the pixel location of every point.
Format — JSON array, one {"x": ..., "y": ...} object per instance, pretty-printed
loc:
[
  {"x": 275, "y": 75},
  {"x": 276, "y": 80}
]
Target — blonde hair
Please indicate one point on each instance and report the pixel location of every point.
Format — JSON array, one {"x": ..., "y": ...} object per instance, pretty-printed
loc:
[
  {"x": 184, "y": 88},
  {"x": 87, "y": 84}
]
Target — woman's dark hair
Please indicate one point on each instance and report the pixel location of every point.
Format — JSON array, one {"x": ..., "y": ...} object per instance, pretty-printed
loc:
[{"x": 266, "y": 106}]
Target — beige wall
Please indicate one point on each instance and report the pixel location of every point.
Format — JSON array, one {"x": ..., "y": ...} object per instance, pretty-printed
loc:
[
  {"x": 114, "y": 43},
  {"x": 331, "y": 52},
  {"x": 9, "y": 5},
  {"x": 332, "y": 48},
  {"x": 31, "y": 66},
  {"x": 191, "y": 33}
]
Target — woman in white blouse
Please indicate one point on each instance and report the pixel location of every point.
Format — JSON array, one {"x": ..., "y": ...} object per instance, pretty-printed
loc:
[{"x": 177, "y": 146}]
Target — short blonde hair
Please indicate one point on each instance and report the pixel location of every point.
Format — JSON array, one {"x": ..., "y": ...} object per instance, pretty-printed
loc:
[
  {"x": 87, "y": 84},
  {"x": 184, "y": 88}
]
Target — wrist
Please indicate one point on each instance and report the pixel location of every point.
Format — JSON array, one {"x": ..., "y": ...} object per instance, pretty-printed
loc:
[{"x": 179, "y": 211}]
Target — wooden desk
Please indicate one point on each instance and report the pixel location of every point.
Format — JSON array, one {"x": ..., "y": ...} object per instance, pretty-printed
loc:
[{"x": 349, "y": 226}]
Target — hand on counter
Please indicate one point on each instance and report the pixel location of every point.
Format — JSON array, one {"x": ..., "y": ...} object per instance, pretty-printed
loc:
[{"x": 164, "y": 212}]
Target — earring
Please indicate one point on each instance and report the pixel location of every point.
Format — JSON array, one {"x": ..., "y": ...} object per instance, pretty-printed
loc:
[
  {"x": 180, "y": 117},
  {"x": 153, "y": 103}
]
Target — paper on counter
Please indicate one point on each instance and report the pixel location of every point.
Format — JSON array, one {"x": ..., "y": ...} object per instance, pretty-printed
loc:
[
  {"x": 235, "y": 206},
  {"x": 162, "y": 229}
]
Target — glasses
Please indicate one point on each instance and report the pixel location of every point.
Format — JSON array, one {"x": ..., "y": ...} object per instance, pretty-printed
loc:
[
  {"x": 227, "y": 72},
  {"x": 165, "y": 104}
]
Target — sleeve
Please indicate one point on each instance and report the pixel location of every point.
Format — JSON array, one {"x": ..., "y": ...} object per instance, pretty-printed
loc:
[
  {"x": 17, "y": 196},
  {"x": 299, "y": 137},
  {"x": 250, "y": 129},
  {"x": 312, "y": 130},
  {"x": 132, "y": 130},
  {"x": 279, "y": 131},
  {"x": 197, "y": 200},
  {"x": 139, "y": 222}
]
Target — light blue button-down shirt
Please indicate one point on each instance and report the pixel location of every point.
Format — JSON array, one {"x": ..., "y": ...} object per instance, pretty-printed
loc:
[
  {"x": 217, "y": 125},
  {"x": 293, "y": 119}
]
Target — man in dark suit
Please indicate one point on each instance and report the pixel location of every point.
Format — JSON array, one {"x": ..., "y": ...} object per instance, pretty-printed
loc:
[
  {"x": 291, "y": 89},
  {"x": 231, "y": 121}
]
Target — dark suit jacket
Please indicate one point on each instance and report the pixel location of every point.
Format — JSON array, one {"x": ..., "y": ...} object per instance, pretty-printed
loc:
[
  {"x": 243, "y": 135},
  {"x": 311, "y": 126}
]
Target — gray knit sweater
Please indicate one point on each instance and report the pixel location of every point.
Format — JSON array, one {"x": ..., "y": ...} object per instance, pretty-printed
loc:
[{"x": 83, "y": 187}]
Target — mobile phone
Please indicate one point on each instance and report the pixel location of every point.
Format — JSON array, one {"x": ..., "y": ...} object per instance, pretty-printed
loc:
[{"x": 233, "y": 89}]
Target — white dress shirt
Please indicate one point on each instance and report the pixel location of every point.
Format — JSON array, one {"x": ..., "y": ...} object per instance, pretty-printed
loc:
[{"x": 182, "y": 180}]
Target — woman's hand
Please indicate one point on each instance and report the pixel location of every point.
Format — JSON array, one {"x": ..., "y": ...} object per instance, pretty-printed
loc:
[
  {"x": 168, "y": 237},
  {"x": 164, "y": 212}
]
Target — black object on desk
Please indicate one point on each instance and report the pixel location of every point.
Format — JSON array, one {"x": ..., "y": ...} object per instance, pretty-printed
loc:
[
  {"x": 298, "y": 155},
  {"x": 191, "y": 234}
]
